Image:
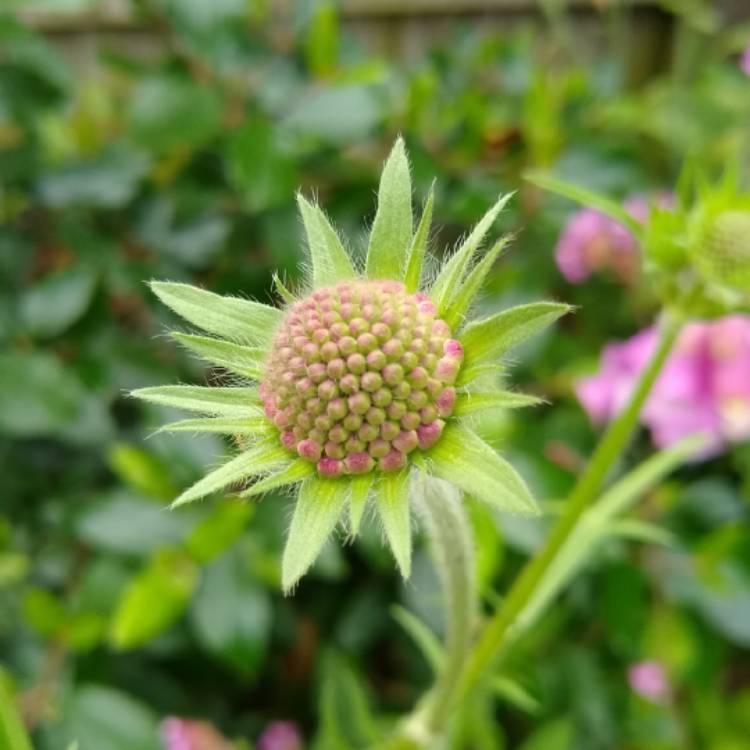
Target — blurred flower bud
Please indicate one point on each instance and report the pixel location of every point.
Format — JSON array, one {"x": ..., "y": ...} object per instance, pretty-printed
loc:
[
  {"x": 186, "y": 734},
  {"x": 745, "y": 61}
]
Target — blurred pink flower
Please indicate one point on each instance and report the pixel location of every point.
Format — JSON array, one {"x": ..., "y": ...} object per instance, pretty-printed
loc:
[
  {"x": 745, "y": 61},
  {"x": 703, "y": 388},
  {"x": 648, "y": 679},
  {"x": 281, "y": 735},
  {"x": 593, "y": 242},
  {"x": 187, "y": 734}
]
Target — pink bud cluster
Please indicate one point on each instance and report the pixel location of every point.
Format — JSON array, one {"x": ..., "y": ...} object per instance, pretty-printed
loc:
[{"x": 359, "y": 375}]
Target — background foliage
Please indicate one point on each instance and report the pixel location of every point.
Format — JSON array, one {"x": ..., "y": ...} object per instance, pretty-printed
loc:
[{"x": 115, "y": 613}]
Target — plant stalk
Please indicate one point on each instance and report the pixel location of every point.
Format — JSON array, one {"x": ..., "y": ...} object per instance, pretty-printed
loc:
[{"x": 585, "y": 492}]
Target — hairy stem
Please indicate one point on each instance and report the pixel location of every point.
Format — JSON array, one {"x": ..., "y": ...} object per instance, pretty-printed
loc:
[
  {"x": 585, "y": 492},
  {"x": 441, "y": 509}
]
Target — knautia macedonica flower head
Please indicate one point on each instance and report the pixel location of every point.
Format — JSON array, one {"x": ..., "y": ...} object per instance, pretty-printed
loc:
[{"x": 362, "y": 382}]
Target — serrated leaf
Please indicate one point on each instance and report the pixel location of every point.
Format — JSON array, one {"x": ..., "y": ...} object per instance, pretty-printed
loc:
[
  {"x": 330, "y": 261},
  {"x": 295, "y": 472},
  {"x": 464, "y": 459},
  {"x": 233, "y": 402},
  {"x": 256, "y": 460},
  {"x": 425, "y": 640},
  {"x": 418, "y": 247},
  {"x": 154, "y": 600},
  {"x": 469, "y": 403},
  {"x": 244, "y": 360},
  {"x": 222, "y": 425},
  {"x": 360, "y": 492},
  {"x": 490, "y": 338},
  {"x": 391, "y": 233},
  {"x": 454, "y": 270},
  {"x": 586, "y": 198},
  {"x": 460, "y": 301},
  {"x": 237, "y": 319},
  {"x": 392, "y": 503},
  {"x": 316, "y": 514}
]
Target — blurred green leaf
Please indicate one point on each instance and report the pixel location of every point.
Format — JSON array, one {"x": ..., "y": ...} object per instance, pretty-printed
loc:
[
  {"x": 122, "y": 522},
  {"x": 175, "y": 114},
  {"x": 13, "y": 734},
  {"x": 337, "y": 115},
  {"x": 155, "y": 599},
  {"x": 346, "y": 720},
  {"x": 107, "y": 181},
  {"x": 231, "y": 614},
  {"x": 142, "y": 471},
  {"x": 59, "y": 300},
  {"x": 258, "y": 168},
  {"x": 107, "y": 719},
  {"x": 554, "y": 735},
  {"x": 215, "y": 533}
]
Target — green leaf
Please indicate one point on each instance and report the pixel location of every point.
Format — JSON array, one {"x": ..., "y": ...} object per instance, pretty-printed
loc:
[
  {"x": 232, "y": 613},
  {"x": 13, "y": 734},
  {"x": 418, "y": 248},
  {"x": 346, "y": 721},
  {"x": 141, "y": 470},
  {"x": 240, "y": 320},
  {"x": 106, "y": 719},
  {"x": 282, "y": 291},
  {"x": 330, "y": 260},
  {"x": 469, "y": 403},
  {"x": 461, "y": 299},
  {"x": 585, "y": 197},
  {"x": 515, "y": 694},
  {"x": 296, "y": 471},
  {"x": 490, "y": 338},
  {"x": 425, "y": 640},
  {"x": 360, "y": 493},
  {"x": 465, "y": 460},
  {"x": 244, "y": 360},
  {"x": 391, "y": 233},
  {"x": 254, "y": 426},
  {"x": 392, "y": 503},
  {"x": 263, "y": 174},
  {"x": 232, "y": 402},
  {"x": 218, "y": 530},
  {"x": 59, "y": 300},
  {"x": 121, "y": 523},
  {"x": 454, "y": 270},
  {"x": 154, "y": 600},
  {"x": 175, "y": 114},
  {"x": 252, "y": 462},
  {"x": 316, "y": 513}
]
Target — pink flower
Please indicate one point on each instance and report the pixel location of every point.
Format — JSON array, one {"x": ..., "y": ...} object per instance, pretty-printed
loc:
[
  {"x": 648, "y": 679},
  {"x": 593, "y": 242},
  {"x": 704, "y": 386},
  {"x": 745, "y": 61},
  {"x": 186, "y": 734},
  {"x": 281, "y": 735}
]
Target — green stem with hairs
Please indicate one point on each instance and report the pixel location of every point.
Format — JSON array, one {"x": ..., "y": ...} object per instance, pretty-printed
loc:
[
  {"x": 484, "y": 655},
  {"x": 443, "y": 515}
]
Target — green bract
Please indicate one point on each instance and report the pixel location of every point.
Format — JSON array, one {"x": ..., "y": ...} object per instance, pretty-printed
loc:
[{"x": 362, "y": 382}]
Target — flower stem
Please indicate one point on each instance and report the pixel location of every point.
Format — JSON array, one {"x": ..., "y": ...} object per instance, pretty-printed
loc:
[
  {"x": 453, "y": 550},
  {"x": 442, "y": 511},
  {"x": 585, "y": 492}
]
